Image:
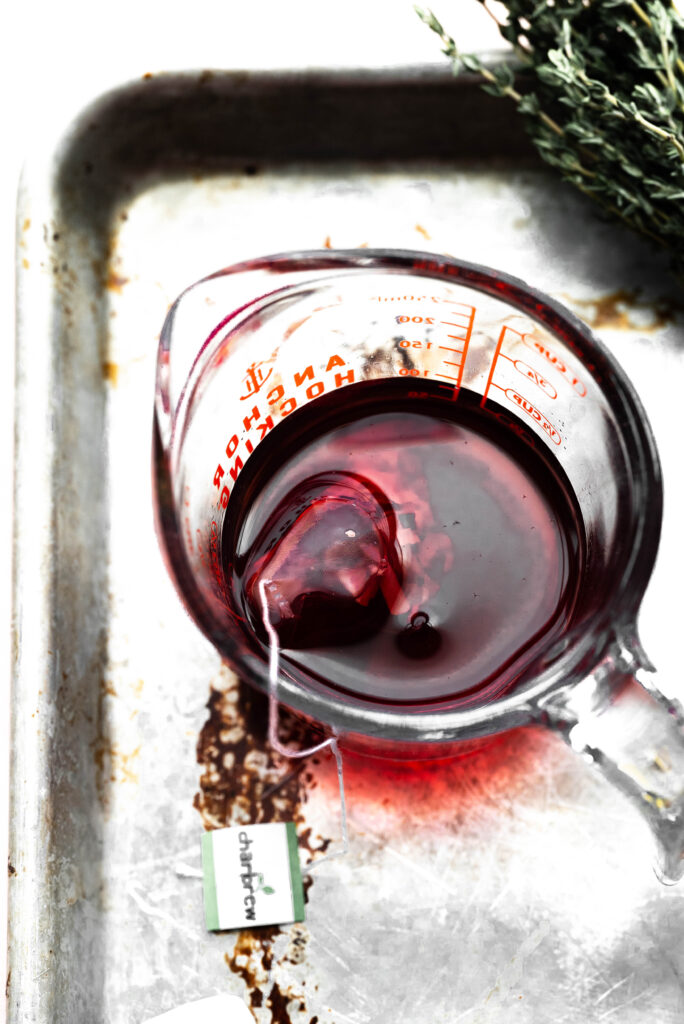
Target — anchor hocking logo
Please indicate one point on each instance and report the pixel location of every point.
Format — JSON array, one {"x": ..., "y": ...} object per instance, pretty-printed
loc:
[{"x": 254, "y": 380}]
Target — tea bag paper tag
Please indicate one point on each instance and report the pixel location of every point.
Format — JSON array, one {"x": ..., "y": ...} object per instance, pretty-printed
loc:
[
  {"x": 252, "y": 876},
  {"x": 214, "y": 1010}
]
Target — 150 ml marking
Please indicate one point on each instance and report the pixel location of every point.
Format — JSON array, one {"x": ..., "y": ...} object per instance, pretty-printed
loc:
[{"x": 461, "y": 316}]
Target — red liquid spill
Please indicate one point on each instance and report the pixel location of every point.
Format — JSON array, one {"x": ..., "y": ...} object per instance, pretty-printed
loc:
[
  {"x": 483, "y": 784},
  {"x": 414, "y": 548}
]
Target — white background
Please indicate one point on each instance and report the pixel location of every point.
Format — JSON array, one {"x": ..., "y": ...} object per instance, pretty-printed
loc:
[{"x": 55, "y": 57}]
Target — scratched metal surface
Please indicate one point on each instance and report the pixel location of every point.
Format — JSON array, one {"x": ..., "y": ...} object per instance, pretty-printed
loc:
[{"x": 513, "y": 885}]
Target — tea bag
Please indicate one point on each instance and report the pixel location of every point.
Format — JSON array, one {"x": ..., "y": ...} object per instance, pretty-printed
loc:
[{"x": 333, "y": 566}]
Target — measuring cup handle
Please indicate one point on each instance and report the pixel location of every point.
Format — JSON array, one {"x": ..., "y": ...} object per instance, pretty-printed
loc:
[{"x": 622, "y": 722}]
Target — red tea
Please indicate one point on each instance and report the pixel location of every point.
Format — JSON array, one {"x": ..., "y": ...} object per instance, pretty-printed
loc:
[{"x": 409, "y": 547}]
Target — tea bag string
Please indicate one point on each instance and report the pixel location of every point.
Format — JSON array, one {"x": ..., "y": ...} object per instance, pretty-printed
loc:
[{"x": 273, "y": 705}]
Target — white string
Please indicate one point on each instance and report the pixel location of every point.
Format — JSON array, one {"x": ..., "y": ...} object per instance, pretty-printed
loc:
[{"x": 273, "y": 702}]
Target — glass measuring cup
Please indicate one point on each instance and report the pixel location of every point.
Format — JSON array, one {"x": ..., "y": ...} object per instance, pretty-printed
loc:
[{"x": 246, "y": 349}]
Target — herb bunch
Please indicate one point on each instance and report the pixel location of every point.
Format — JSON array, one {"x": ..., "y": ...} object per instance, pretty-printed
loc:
[{"x": 600, "y": 84}]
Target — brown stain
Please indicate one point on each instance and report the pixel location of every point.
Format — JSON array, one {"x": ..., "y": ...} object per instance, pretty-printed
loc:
[
  {"x": 244, "y": 781},
  {"x": 278, "y": 1002},
  {"x": 115, "y": 282},
  {"x": 252, "y": 956},
  {"x": 252, "y": 959},
  {"x": 113, "y": 765},
  {"x": 616, "y": 311},
  {"x": 111, "y": 372},
  {"x": 11, "y": 870}
]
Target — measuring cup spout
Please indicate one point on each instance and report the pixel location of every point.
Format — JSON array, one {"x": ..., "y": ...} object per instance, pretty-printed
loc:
[{"x": 618, "y": 718}]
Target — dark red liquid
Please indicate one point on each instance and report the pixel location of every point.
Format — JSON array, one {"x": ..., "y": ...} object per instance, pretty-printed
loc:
[{"x": 413, "y": 546}]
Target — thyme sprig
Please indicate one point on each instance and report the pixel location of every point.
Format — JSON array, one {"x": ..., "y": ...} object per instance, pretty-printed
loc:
[{"x": 600, "y": 84}]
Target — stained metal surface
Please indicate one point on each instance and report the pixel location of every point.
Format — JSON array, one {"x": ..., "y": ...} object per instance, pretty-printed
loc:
[{"x": 511, "y": 885}]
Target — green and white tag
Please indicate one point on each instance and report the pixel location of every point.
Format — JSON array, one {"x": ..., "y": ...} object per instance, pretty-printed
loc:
[{"x": 252, "y": 876}]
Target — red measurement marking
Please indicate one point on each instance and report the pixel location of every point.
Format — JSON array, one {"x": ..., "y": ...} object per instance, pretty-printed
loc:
[
  {"x": 575, "y": 383},
  {"x": 527, "y": 371},
  {"x": 533, "y": 413},
  {"x": 536, "y": 378},
  {"x": 467, "y": 326},
  {"x": 495, "y": 357}
]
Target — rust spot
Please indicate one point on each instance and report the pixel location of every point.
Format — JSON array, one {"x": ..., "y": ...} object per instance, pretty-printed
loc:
[
  {"x": 624, "y": 310},
  {"x": 206, "y": 76},
  {"x": 110, "y": 372},
  {"x": 252, "y": 956},
  {"x": 278, "y": 1002},
  {"x": 421, "y": 231},
  {"x": 115, "y": 282},
  {"x": 256, "y": 998},
  {"x": 252, "y": 960},
  {"x": 147, "y": 76},
  {"x": 11, "y": 870},
  {"x": 327, "y": 244},
  {"x": 243, "y": 780},
  {"x": 7, "y": 983},
  {"x": 112, "y": 764}
]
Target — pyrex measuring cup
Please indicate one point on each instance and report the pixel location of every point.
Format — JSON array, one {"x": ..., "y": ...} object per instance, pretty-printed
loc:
[{"x": 278, "y": 337}]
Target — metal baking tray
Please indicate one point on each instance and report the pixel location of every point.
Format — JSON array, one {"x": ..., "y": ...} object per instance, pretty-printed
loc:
[{"x": 511, "y": 885}]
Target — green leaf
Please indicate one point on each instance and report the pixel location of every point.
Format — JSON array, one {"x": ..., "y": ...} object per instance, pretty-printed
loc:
[{"x": 603, "y": 101}]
